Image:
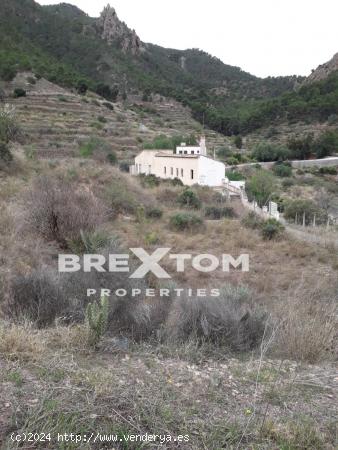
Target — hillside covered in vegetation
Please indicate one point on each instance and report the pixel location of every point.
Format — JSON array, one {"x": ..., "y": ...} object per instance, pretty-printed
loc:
[{"x": 64, "y": 45}]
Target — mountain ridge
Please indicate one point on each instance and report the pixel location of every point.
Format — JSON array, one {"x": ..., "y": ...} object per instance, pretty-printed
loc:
[{"x": 66, "y": 46}]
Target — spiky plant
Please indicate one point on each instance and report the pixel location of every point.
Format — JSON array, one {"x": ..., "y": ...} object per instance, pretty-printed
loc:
[{"x": 97, "y": 320}]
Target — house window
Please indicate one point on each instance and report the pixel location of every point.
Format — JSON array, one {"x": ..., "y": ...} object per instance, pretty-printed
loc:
[
  {"x": 171, "y": 171},
  {"x": 180, "y": 152},
  {"x": 165, "y": 170},
  {"x": 181, "y": 172},
  {"x": 192, "y": 152},
  {"x": 192, "y": 174},
  {"x": 185, "y": 152},
  {"x": 177, "y": 172}
]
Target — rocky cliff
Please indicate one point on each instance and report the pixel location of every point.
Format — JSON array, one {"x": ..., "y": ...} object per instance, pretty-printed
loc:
[
  {"x": 116, "y": 32},
  {"x": 324, "y": 70}
]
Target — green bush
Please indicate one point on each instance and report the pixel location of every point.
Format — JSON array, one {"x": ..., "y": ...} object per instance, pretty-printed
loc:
[
  {"x": 224, "y": 153},
  {"x": 266, "y": 151},
  {"x": 154, "y": 213},
  {"x": 112, "y": 158},
  {"x": 7, "y": 73},
  {"x": 82, "y": 87},
  {"x": 235, "y": 176},
  {"x": 95, "y": 145},
  {"x": 288, "y": 182},
  {"x": 97, "y": 125},
  {"x": 124, "y": 166},
  {"x": 260, "y": 187},
  {"x": 151, "y": 238},
  {"x": 185, "y": 222},
  {"x": 102, "y": 119},
  {"x": 31, "y": 80},
  {"x": 271, "y": 229},
  {"x": 5, "y": 153},
  {"x": 238, "y": 141},
  {"x": 252, "y": 221},
  {"x": 107, "y": 92},
  {"x": 326, "y": 144},
  {"x": 301, "y": 148},
  {"x": 282, "y": 170},
  {"x": 298, "y": 210},
  {"x": 121, "y": 200},
  {"x": 90, "y": 242},
  {"x": 18, "y": 92},
  {"x": 108, "y": 106},
  {"x": 330, "y": 170},
  {"x": 232, "y": 161},
  {"x": 188, "y": 199},
  {"x": 149, "y": 180},
  {"x": 216, "y": 213},
  {"x": 175, "y": 182}
]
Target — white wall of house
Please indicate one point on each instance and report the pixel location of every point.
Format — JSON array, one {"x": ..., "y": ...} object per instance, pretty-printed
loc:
[
  {"x": 190, "y": 169},
  {"x": 211, "y": 172},
  {"x": 183, "y": 167},
  {"x": 146, "y": 163}
]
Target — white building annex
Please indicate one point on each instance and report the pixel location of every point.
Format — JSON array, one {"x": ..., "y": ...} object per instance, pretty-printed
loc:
[{"x": 190, "y": 164}]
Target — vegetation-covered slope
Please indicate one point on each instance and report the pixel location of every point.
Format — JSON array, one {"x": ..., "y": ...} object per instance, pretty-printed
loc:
[{"x": 66, "y": 46}]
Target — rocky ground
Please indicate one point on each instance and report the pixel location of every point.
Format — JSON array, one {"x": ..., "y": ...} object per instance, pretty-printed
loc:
[{"x": 49, "y": 384}]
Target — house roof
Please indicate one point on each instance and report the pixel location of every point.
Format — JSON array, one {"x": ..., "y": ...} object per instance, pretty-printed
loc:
[{"x": 174, "y": 155}]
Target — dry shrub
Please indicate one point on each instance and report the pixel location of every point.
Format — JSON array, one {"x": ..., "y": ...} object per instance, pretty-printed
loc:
[
  {"x": 308, "y": 325},
  {"x": 124, "y": 195},
  {"x": 57, "y": 212},
  {"x": 225, "y": 320},
  {"x": 36, "y": 297},
  {"x": 208, "y": 196},
  {"x": 20, "y": 342},
  {"x": 44, "y": 296},
  {"x": 168, "y": 196}
]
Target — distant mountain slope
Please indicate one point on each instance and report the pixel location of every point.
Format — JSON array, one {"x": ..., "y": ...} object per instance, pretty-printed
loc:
[
  {"x": 67, "y": 47},
  {"x": 55, "y": 122}
]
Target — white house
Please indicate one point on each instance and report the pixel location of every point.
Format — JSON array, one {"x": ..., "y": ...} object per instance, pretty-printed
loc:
[{"x": 189, "y": 163}]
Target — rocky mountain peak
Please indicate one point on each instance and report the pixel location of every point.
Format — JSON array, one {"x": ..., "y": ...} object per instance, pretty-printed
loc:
[
  {"x": 114, "y": 31},
  {"x": 324, "y": 70}
]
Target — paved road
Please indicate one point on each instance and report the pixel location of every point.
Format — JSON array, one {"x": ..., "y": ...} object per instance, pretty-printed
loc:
[{"x": 297, "y": 164}]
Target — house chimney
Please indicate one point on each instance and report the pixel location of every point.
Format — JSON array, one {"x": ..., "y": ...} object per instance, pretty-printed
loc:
[{"x": 203, "y": 146}]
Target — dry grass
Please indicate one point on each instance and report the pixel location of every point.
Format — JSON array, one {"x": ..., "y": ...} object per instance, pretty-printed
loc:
[
  {"x": 67, "y": 338},
  {"x": 308, "y": 330},
  {"x": 20, "y": 342}
]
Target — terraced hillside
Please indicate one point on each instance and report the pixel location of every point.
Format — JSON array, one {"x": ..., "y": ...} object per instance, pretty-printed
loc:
[{"x": 56, "y": 121}]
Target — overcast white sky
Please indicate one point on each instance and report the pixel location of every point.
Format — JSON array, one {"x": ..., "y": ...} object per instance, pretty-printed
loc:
[{"x": 263, "y": 37}]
